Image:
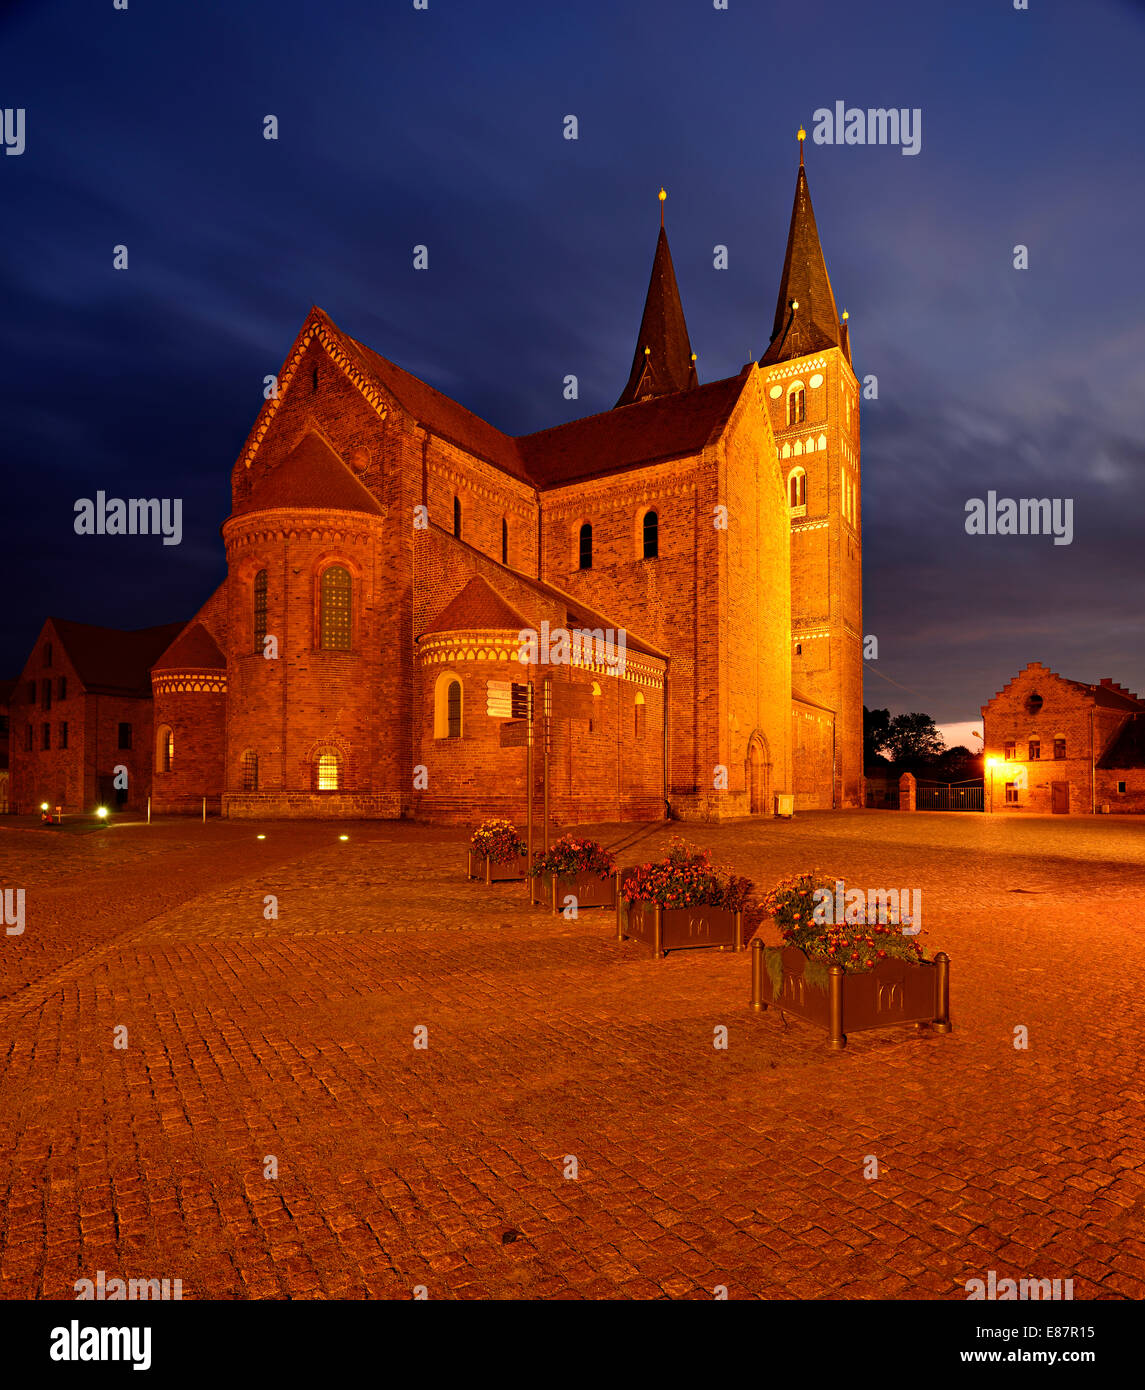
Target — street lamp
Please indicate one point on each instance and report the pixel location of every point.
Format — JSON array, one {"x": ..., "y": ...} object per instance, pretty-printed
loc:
[{"x": 101, "y": 812}]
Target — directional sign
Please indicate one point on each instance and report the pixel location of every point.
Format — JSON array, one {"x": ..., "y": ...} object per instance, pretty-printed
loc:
[
  {"x": 515, "y": 734},
  {"x": 571, "y": 701},
  {"x": 506, "y": 700}
]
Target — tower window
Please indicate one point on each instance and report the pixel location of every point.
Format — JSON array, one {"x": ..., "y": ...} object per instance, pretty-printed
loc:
[
  {"x": 259, "y": 609},
  {"x": 164, "y": 749},
  {"x": 62, "y": 692},
  {"x": 641, "y": 712},
  {"x": 457, "y": 517},
  {"x": 314, "y": 379},
  {"x": 453, "y": 710},
  {"x": 328, "y": 772},
  {"x": 335, "y": 618},
  {"x": 47, "y": 736},
  {"x": 504, "y": 541},
  {"x": 797, "y": 488},
  {"x": 46, "y": 694},
  {"x": 796, "y": 405},
  {"x": 586, "y": 545},
  {"x": 250, "y": 771},
  {"x": 651, "y": 535}
]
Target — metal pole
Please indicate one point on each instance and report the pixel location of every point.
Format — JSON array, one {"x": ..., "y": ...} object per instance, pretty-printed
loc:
[
  {"x": 204, "y": 810},
  {"x": 529, "y": 778},
  {"x": 148, "y": 810},
  {"x": 836, "y": 1038},
  {"x": 942, "y": 990},
  {"x": 547, "y": 731},
  {"x": 757, "y": 975}
]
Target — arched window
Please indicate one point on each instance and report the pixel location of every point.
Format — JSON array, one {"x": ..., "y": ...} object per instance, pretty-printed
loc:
[
  {"x": 796, "y": 403},
  {"x": 335, "y": 622},
  {"x": 797, "y": 488},
  {"x": 457, "y": 517},
  {"x": 259, "y": 609},
  {"x": 250, "y": 771},
  {"x": 164, "y": 749},
  {"x": 596, "y": 694},
  {"x": 651, "y": 535},
  {"x": 586, "y": 546},
  {"x": 641, "y": 710},
  {"x": 447, "y": 706},
  {"x": 504, "y": 541},
  {"x": 328, "y": 772}
]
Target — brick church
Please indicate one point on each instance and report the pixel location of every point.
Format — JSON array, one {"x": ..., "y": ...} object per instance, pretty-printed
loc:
[{"x": 386, "y": 548}]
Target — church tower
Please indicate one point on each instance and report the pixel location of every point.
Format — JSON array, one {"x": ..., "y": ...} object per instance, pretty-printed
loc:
[
  {"x": 664, "y": 361},
  {"x": 813, "y": 396}
]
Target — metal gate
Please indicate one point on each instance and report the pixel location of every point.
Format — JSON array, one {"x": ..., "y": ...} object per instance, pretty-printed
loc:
[{"x": 958, "y": 796}]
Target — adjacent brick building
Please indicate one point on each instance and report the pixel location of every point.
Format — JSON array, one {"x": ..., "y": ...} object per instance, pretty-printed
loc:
[
  {"x": 386, "y": 548},
  {"x": 6, "y": 690},
  {"x": 80, "y": 718},
  {"x": 1061, "y": 746}
]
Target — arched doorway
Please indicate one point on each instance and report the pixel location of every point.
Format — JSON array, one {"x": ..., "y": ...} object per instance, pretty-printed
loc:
[{"x": 758, "y": 775}]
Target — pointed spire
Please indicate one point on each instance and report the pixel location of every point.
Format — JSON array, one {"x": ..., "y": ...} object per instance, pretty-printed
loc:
[
  {"x": 664, "y": 361},
  {"x": 806, "y": 319}
]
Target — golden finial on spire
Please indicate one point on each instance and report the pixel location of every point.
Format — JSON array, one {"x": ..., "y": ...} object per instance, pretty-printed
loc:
[
  {"x": 647, "y": 352},
  {"x": 801, "y": 136},
  {"x": 662, "y": 196},
  {"x": 846, "y": 316}
]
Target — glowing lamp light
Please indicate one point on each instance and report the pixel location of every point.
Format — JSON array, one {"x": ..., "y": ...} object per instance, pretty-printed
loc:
[
  {"x": 260, "y": 837},
  {"x": 102, "y": 813},
  {"x": 343, "y": 837},
  {"x": 43, "y": 805}
]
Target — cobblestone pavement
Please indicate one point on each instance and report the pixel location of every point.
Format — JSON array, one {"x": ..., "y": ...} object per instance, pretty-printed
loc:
[{"x": 446, "y": 1167}]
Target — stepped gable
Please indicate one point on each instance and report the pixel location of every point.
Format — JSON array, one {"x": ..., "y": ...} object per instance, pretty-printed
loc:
[{"x": 311, "y": 477}]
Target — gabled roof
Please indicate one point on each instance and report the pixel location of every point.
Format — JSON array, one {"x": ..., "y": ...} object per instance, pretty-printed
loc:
[
  {"x": 663, "y": 361},
  {"x": 1128, "y": 748},
  {"x": 312, "y": 476},
  {"x": 477, "y": 607},
  {"x": 193, "y": 650},
  {"x": 814, "y": 325},
  {"x": 666, "y": 427},
  {"x": 646, "y": 432},
  {"x": 439, "y": 414},
  {"x": 1108, "y": 695},
  {"x": 110, "y": 661}
]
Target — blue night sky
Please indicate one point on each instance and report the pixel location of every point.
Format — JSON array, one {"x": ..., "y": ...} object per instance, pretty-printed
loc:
[{"x": 444, "y": 127}]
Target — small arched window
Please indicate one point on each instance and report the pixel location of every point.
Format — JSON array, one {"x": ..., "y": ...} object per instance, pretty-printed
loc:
[
  {"x": 1034, "y": 703},
  {"x": 796, "y": 404},
  {"x": 457, "y": 517},
  {"x": 164, "y": 749},
  {"x": 259, "y": 610},
  {"x": 651, "y": 535},
  {"x": 797, "y": 488},
  {"x": 328, "y": 772},
  {"x": 250, "y": 771},
  {"x": 504, "y": 541},
  {"x": 586, "y": 546},
  {"x": 641, "y": 710},
  {"x": 447, "y": 706},
  {"x": 335, "y": 619}
]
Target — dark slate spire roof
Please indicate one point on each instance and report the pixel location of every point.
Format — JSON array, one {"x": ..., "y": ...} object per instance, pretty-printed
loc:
[
  {"x": 815, "y": 324},
  {"x": 667, "y": 366}
]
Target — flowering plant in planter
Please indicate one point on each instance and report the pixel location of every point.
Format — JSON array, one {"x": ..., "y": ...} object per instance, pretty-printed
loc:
[
  {"x": 569, "y": 856},
  {"x": 687, "y": 878},
  {"x": 804, "y": 910},
  {"x": 497, "y": 841}
]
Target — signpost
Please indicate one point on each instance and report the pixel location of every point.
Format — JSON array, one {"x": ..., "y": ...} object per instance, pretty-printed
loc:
[{"x": 513, "y": 701}]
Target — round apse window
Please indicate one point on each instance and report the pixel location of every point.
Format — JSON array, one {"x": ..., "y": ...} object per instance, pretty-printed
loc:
[{"x": 1034, "y": 703}]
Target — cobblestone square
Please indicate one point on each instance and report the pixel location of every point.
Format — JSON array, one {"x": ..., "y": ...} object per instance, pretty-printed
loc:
[{"x": 250, "y": 1040}]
